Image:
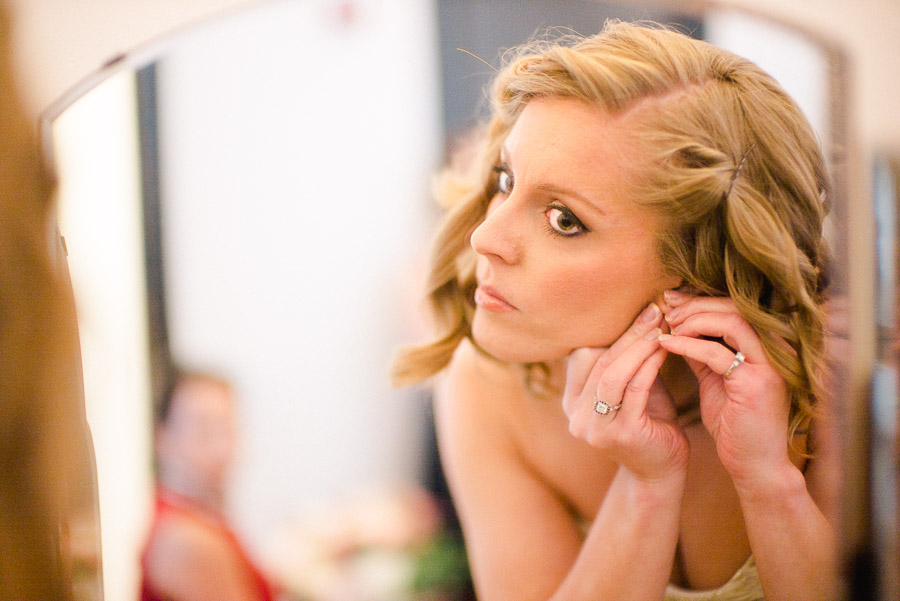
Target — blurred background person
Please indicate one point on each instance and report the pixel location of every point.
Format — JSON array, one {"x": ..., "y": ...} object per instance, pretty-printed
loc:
[{"x": 191, "y": 552}]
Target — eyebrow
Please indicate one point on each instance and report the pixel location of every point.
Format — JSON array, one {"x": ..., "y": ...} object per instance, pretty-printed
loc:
[
  {"x": 554, "y": 189},
  {"x": 571, "y": 194}
]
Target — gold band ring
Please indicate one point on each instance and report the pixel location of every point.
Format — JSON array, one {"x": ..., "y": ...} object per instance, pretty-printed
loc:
[{"x": 738, "y": 359}]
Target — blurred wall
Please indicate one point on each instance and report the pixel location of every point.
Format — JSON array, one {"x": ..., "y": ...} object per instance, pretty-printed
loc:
[
  {"x": 294, "y": 197},
  {"x": 59, "y": 42},
  {"x": 271, "y": 295}
]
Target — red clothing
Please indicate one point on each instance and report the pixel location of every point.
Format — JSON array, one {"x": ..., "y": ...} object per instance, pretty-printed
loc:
[{"x": 168, "y": 504}]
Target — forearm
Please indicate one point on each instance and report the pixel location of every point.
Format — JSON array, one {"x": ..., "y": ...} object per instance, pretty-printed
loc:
[
  {"x": 629, "y": 549},
  {"x": 793, "y": 544}
]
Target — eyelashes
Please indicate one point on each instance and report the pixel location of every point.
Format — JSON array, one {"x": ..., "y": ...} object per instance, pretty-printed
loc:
[
  {"x": 559, "y": 219},
  {"x": 504, "y": 179},
  {"x": 563, "y": 222}
]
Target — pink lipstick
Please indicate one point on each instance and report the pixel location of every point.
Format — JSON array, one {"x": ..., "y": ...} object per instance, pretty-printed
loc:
[{"x": 487, "y": 298}]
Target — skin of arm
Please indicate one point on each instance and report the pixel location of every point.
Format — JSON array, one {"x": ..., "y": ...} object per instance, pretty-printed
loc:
[
  {"x": 521, "y": 534},
  {"x": 789, "y": 520},
  {"x": 792, "y": 541},
  {"x": 191, "y": 563}
]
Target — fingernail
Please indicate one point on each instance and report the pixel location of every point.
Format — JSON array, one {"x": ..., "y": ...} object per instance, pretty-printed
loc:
[
  {"x": 671, "y": 314},
  {"x": 649, "y": 314},
  {"x": 673, "y": 295},
  {"x": 653, "y": 334},
  {"x": 664, "y": 337}
]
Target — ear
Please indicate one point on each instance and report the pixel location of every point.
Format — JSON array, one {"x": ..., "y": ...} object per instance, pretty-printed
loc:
[{"x": 673, "y": 282}]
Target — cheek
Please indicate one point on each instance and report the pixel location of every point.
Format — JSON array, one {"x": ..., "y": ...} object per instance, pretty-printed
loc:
[
  {"x": 594, "y": 304},
  {"x": 589, "y": 300}
]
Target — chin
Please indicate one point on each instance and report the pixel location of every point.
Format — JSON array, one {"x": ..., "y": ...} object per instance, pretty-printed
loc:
[
  {"x": 523, "y": 345},
  {"x": 516, "y": 347}
]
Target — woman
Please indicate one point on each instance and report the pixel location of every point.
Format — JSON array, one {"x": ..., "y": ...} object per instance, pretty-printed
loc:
[
  {"x": 628, "y": 292},
  {"x": 191, "y": 552}
]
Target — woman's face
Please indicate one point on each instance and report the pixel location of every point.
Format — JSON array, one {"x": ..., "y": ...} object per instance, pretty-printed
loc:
[
  {"x": 565, "y": 258},
  {"x": 199, "y": 438}
]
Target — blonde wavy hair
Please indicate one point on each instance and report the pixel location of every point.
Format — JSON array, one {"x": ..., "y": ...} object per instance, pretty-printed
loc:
[{"x": 732, "y": 168}]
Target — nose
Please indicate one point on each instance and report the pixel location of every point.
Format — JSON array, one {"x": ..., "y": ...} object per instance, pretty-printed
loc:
[{"x": 495, "y": 236}]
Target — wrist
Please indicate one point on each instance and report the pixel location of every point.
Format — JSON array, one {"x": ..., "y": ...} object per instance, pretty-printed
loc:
[
  {"x": 778, "y": 484},
  {"x": 657, "y": 490}
]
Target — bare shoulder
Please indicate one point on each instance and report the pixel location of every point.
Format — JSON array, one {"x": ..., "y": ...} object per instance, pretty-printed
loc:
[
  {"x": 189, "y": 559},
  {"x": 484, "y": 414},
  {"x": 472, "y": 368},
  {"x": 485, "y": 420},
  {"x": 522, "y": 484},
  {"x": 479, "y": 392},
  {"x": 484, "y": 408},
  {"x": 181, "y": 540}
]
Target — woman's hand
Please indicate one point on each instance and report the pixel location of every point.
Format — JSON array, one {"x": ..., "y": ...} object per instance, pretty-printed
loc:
[
  {"x": 615, "y": 401},
  {"x": 744, "y": 402}
]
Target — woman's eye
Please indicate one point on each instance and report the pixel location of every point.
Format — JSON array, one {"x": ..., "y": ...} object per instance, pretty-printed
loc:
[
  {"x": 505, "y": 180},
  {"x": 564, "y": 222}
]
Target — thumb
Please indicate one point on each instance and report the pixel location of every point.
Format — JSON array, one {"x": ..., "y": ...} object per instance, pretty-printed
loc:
[
  {"x": 659, "y": 405},
  {"x": 578, "y": 368},
  {"x": 700, "y": 369}
]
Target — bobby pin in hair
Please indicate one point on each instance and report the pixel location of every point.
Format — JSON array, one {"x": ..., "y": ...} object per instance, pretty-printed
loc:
[{"x": 737, "y": 170}]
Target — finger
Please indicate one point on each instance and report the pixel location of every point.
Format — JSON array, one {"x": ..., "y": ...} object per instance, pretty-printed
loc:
[
  {"x": 609, "y": 383},
  {"x": 659, "y": 403},
  {"x": 710, "y": 353},
  {"x": 637, "y": 391},
  {"x": 676, "y": 298},
  {"x": 730, "y": 327},
  {"x": 649, "y": 319},
  {"x": 703, "y": 304},
  {"x": 578, "y": 368}
]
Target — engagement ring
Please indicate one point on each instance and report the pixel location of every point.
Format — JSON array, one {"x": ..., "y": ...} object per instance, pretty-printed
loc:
[{"x": 604, "y": 408}]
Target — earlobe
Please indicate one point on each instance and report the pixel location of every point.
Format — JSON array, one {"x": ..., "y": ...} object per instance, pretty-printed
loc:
[{"x": 660, "y": 299}]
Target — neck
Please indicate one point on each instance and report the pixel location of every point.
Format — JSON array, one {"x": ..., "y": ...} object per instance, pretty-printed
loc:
[
  {"x": 680, "y": 382},
  {"x": 189, "y": 487}
]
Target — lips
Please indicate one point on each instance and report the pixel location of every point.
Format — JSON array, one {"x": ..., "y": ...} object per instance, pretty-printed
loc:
[{"x": 489, "y": 299}]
